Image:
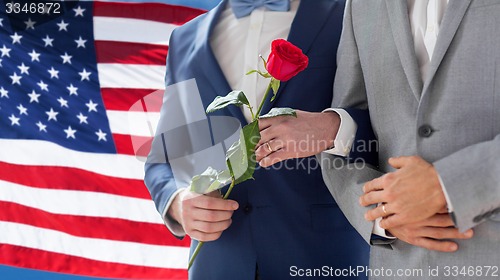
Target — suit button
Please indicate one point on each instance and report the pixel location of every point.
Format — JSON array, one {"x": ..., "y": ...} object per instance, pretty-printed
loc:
[
  {"x": 247, "y": 209},
  {"x": 425, "y": 131}
]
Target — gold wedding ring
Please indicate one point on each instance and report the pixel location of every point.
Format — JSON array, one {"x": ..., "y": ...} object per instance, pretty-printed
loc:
[
  {"x": 268, "y": 147},
  {"x": 383, "y": 209}
]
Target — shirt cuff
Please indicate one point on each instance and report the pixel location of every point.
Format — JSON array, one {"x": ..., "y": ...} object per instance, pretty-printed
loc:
[
  {"x": 342, "y": 143},
  {"x": 446, "y": 196},
  {"x": 172, "y": 225},
  {"x": 377, "y": 230}
]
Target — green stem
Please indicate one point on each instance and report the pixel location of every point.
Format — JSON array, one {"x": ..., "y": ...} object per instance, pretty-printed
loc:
[
  {"x": 196, "y": 252},
  {"x": 251, "y": 112},
  {"x": 268, "y": 90},
  {"x": 200, "y": 243}
]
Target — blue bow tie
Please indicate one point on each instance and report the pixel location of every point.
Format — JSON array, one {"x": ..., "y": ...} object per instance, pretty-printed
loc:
[{"x": 242, "y": 8}]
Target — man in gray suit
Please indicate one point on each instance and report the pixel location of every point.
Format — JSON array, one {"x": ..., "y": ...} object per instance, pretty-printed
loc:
[{"x": 429, "y": 72}]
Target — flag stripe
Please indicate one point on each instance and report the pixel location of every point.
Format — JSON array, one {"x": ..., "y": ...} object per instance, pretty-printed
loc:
[
  {"x": 113, "y": 75},
  {"x": 98, "y": 249},
  {"x": 45, "y": 260},
  {"x": 149, "y": 11},
  {"x": 132, "y": 30},
  {"x": 122, "y": 99},
  {"x": 133, "y": 145},
  {"x": 81, "y": 203},
  {"x": 130, "y": 53},
  {"x": 93, "y": 227},
  {"x": 43, "y": 153},
  {"x": 83, "y": 180},
  {"x": 133, "y": 123}
]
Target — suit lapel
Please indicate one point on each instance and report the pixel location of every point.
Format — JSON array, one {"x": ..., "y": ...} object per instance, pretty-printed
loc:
[
  {"x": 208, "y": 68},
  {"x": 401, "y": 31},
  {"x": 308, "y": 22},
  {"x": 452, "y": 18}
]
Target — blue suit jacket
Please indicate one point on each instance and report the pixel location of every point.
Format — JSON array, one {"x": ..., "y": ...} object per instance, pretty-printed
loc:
[{"x": 287, "y": 217}]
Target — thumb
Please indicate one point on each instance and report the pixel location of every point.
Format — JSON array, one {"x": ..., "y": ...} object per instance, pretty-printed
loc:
[{"x": 399, "y": 162}]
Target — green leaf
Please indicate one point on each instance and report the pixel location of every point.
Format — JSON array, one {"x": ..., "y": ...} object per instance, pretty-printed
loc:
[
  {"x": 265, "y": 75},
  {"x": 236, "y": 97},
  {"x": 263, "y": 60},
  {"x": 240, "y": 158},
  {"x": 275, "y": 112},
  {"x": 275, "y": 85},
  {"x": 210, "y": 180}
]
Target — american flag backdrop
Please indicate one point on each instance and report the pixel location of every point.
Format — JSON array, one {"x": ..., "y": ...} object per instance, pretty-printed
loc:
[{"x": 72, "y": 199}]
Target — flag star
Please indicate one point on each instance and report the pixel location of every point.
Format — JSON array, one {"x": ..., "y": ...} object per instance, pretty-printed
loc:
[
  {"x": 34, "y": 96},
  {"x": 3, "y": 93},
  {"x": 14, "y": 120},
  {"x": 41, "y": 126},
  {"x": 79, "y": 11},
  {"x": 43, "y": 86},
  {"x": 24, "y": 69},
  {"x": 22, "y": 110},
  {"x": 82, "y": 118},
  {"x": 16, "y": 79},
  {"x": 63, "y": 26},
  {"x": 66, "y": 58},
  {"x": 48, "y": 41},
  {"x": 72, "y": 90},
  {"x": 85, "y": 75},
  {"x": 101, "y": 135},
  {"x": 53, "y": 73},
  {"x": 30, "y": 24},
  {"x": 70, "y": 133},
  {"x": 5, "y": 51},
  {"x": 63, "y": 102},
  {"x": 52, "y": 115},
  {"x": 34, "y": 55},
  {"x": 92, "y": 106},
  {"x": 16, "y": 38},
  {"x": 80, "y": 42}
]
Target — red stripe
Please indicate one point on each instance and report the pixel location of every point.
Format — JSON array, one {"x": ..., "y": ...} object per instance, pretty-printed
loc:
[
  {"x": 44, "y": 260},
  {"x": 132, "y": 145},
  {"x": 67, "y": 178},
  {"x": 126, "y": 99},
  {"x": 147, "y": 11},
  {"x": 130, "y": 53},
  {"x": 91, "y": 227}
]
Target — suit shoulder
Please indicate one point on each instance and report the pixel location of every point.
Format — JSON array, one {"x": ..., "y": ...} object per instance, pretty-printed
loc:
[{"x": 188, "y": 29}]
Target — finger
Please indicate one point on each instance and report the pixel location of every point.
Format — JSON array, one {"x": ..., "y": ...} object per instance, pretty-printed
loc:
[
  {"x": 265, "y": 123},
  {"x": 212, "y": 203},
  {"x": 273, "y": 158},
  {"x": 445, "y": 233},
  {"x": 215, "y": 194},
  {"x": 373, "y": 185},
  {"x": 399, "y": 162},
  {"x": 373, "y": 197},
  {"x": 266, "y": 149},
  {"x": 203, "y": 215},
  {"x": 438, "y": 220},
  {"x": 396, "y": 220},
  {"x": 208, "y": 227},
  {"x": 436, "y": 245},
  {"x": 375, "y": 213},
  {"x": 267, "y": 135}
]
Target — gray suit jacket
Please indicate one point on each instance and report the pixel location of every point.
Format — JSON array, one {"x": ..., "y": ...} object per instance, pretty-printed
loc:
[{"x": 452, "y": 119}]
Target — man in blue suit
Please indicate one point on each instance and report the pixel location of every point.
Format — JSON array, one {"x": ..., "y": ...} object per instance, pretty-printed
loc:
[{"x": 284, "y": 223}]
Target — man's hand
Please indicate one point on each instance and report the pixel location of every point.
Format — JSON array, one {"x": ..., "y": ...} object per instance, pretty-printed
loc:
[
  {"x": 203, "y": 217},
  {"x": 409, "y": 195},
  {"x": 287, "y": 137},
  {"x": 433, "y": 233}
]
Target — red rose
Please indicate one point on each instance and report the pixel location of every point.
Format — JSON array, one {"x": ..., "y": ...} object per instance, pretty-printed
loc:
[{"x": 285, "y": 60}]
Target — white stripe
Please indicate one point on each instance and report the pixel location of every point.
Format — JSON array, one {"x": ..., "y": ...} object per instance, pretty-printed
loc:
[
  {"x": 38, "y": 152},
  {"x": 114, "y": 75},
  {"x": 81, "y": 203},
  {"x": 133, "y": 123},
  {"x": 130, "y": 253},
  {"x": 132, "y": 30}
]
